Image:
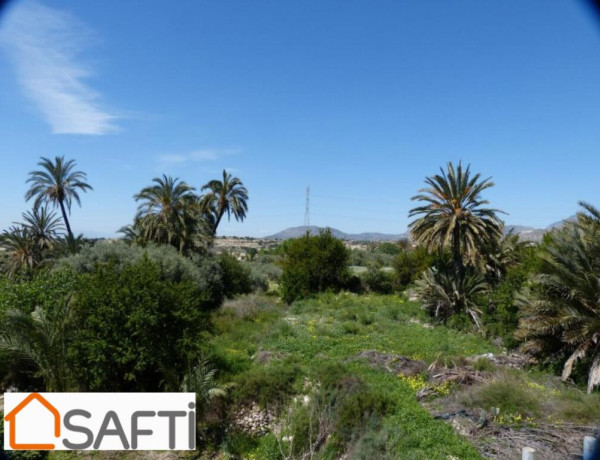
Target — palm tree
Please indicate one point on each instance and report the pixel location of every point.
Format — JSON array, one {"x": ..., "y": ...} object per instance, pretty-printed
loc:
[
  {"x": 43, "y": 226},
  {"x": 19, "y": 244},
  {"x": 454, "y": 214},
  {"x": 58, "y": 184},
  {"x": 41, "y": 337},
  {"x": 226, "y": 196},
  {"x": 30, "y": 242},
  {"x": 560, "y": 314},
  {"x": 501, "y": 254},
  {"x": 445, "y": 293},
  {"x": 168, "y": 213},
  {"x": 201, "y": 380},
  {"x": 71, "y": 245},
  {"x": 131, "y": 233}
]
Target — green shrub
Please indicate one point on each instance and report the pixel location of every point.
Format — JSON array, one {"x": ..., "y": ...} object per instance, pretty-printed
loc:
[
  {"x": 409, "y": 265},
  {"x": 269, "y": 385},
  {"x": 387, "y": 247},
  {"x": 578, "y": 407},
  {"x": 204, "y": 271},
  {"x": 509, "y": 392},
  {"x": 483, "y": 365},
  {"x": 45, "y": 291},
  {"x": 364, "y": 258},
  {"x": 313, "y": 264},
  {"x": 260, "y": 275},
  {"x": 351, "y": 327},
  {"x": 265, "y": 268},
  {"x": 249, "y": 306},
  {"x": 136, "y": 331},
  {"x": 236, "y": 444},
  {"x": 354, "y": 284},
  {"x": 379, "y": 281},
  {"x": 501, "y": 310},
  {"x": 237, "y": 278},
  {"x": 340, "y": 409}
]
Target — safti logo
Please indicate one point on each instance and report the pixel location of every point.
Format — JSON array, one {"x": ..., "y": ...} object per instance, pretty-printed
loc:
[{"x": 99, "y": 421}]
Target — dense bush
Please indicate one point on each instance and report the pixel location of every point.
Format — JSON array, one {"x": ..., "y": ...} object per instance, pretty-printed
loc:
[
  {"x": 237, "y": 278},
  {"x": 45, "y": 291},
  {"x": 379, "y": 281},
  {"x": 388, "y": 247},
  {"x": 114, "y": 327},
  {"x": 501, "y": 309},
  {"x": 134, "y": 330},
  {"x": 265, "y": 270},
  {"x": 269, "y": 385},
  {"x": 203, "y": 271},
  {"x": 313, "y": 264},
  {"x": 409, "y": 265},
  {"x": 363, "y": 258}
]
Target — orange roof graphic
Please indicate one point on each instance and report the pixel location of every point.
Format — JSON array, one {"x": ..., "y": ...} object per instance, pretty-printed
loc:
[{"x": 11, "y": 418}]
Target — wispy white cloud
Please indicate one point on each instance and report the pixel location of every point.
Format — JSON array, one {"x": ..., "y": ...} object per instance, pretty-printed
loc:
[
  {"x": 46, "y": 45},
  {"x": 197, "y": 156}
]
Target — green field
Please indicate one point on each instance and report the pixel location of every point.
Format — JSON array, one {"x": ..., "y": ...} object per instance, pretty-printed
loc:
[{"x": 313, "y": 334}]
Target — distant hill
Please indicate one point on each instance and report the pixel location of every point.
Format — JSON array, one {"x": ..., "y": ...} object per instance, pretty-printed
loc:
[
  {"x": 560, "y": 223},
  {"x": 526, "y": 233},
  {"x": 296, "y": 232},
  {"x": 536, "y": 234}
]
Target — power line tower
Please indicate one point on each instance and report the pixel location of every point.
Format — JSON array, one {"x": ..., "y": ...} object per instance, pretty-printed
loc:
[{"x": 307, "y": 212}]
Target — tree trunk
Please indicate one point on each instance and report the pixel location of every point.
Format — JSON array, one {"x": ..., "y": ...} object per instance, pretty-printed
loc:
[
  {"x": 458, "y": 260},
  {"x": 64, "y": 214},
  {"x": 219, "y": 216}
]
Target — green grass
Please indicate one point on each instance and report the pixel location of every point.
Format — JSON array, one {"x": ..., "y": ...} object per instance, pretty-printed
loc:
[{"x": 326, "y": 330}]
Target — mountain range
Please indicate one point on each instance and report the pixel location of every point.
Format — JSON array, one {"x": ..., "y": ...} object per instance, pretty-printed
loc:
[{"x": 525, "y": 233}]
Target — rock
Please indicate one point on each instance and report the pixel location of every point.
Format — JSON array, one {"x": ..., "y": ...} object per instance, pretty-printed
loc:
[
  {"x": 464, "y": 426},
  {"x": 251, "y": 420}
]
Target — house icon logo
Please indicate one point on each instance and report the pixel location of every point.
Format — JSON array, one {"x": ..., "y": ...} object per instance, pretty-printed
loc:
[{"x": 11, "y": 418}]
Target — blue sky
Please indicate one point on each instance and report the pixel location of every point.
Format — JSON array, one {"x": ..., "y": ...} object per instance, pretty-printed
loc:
[{"x": 358, "y": 99}]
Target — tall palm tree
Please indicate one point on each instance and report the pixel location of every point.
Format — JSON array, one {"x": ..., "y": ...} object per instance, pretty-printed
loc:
[
  {"x": 56, "y": 183},
  {"x": 454, "y": 213},
  {"x": 560, "y": 315},
  {"x": 226, "y": 196},
  {"x": 167, "y": 213}
]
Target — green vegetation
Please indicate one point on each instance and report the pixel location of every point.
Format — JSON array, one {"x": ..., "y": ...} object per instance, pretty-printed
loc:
[
  {"x": 226, "y": 196},
  {"x": 306, "y": 353},
  {"x": 169, "y": 213},
  {"x": 454, "y": 215},
  {"x": 58, "y": 185},
  {"x": 313, "y": 264},
  {"x": 560, "y": 313},
  {"x": 318, "y": 342}
]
